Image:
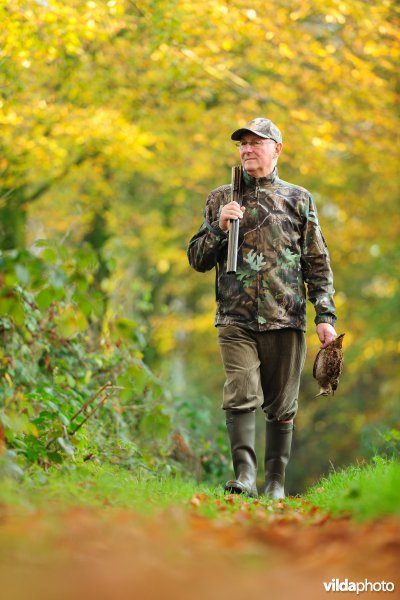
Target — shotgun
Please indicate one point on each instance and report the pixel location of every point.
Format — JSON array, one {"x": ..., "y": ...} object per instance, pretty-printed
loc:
[{"x": 233, "y": 242}]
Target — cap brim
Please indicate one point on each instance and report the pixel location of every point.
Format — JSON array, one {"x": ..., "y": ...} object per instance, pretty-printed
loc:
[{"x": 237, "y": 135}]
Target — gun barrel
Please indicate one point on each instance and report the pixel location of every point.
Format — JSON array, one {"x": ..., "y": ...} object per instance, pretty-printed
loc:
[{"x": 233, "y": 241}]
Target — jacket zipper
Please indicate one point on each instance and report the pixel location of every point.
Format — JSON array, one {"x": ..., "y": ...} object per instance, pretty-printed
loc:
[{"x": 258, "y": 246}]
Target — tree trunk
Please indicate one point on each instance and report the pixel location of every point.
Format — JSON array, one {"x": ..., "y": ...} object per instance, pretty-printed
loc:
[{"x": 12, "y": 222}]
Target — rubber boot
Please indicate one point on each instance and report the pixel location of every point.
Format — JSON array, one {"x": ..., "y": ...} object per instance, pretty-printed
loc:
[
  {"x": 242, "y": 432},
  {"x": 277, "y": 454}
]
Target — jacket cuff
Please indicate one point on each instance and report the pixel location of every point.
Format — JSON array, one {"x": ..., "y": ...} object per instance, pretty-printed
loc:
[
  {"x": 215, "y": 228},
  {"x": 325, "y": 319}
]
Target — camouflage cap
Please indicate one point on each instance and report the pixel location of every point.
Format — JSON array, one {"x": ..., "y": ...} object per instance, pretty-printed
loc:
[{"x": 262, "y": 127}]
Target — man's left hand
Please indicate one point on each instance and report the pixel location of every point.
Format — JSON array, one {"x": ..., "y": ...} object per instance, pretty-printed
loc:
[{"x": 326, "y": 334}]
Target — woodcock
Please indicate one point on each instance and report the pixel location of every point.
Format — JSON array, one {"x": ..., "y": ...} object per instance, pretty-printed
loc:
[{"x": 328, "y": 366}]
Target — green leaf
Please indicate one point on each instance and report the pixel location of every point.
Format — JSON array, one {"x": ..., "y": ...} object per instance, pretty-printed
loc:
[
  {"x": 71, "y": 321},
  {"x": 44, "y": 298},
  {"x": 55, "y": 457},
  {"x": 156, "y": 424},
  {"x": 42, "y": 243},
  {"x": 63, "y": 419},
  {"x": 66, "y": 446},
  {"x": 49, "y": 255},
  {"x": 23, "y": 274},
  {"x": 255, "y": 261}
]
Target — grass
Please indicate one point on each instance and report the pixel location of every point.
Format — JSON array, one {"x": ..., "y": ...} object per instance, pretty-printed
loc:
[
  {"x": 96, "y": 486},
  {"x": 364, "y": 492}
]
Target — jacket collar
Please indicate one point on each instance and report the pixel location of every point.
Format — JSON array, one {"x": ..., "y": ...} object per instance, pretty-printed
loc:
[{"x": 251, "y": 181}]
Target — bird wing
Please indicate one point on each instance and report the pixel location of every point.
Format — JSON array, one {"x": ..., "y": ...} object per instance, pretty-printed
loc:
[
  {"x": 335, "y": 365},
  {"x": 316, "y": 363}
]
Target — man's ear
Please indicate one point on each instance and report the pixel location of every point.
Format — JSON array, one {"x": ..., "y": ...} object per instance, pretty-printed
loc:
[{"x": 278, "y": 149}]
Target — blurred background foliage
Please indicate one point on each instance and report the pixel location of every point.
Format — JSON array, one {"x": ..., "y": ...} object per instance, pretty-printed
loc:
[{"x": 116, "y": 119}]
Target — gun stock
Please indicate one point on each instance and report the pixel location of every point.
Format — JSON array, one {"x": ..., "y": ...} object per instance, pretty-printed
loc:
[{"x": 233, "y": 241}]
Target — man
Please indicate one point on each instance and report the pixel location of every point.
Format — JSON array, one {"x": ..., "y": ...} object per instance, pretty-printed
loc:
[{"x": 261, "y": 309}]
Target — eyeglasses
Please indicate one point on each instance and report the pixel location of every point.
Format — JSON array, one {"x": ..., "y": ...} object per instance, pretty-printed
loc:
[{"x": 254, "y": 144}]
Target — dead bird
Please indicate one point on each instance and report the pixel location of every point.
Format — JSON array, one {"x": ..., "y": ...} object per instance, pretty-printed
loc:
[{"x": 328, "y": 366}]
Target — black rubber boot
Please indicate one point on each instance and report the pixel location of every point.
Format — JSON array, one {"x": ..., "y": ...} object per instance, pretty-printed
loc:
[
  {"x": 242, "y": 432},
  {"x": 277, "y": 454}
]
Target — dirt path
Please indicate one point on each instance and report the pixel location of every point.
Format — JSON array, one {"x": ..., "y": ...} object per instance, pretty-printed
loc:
[{"x": 254, "y": 551}]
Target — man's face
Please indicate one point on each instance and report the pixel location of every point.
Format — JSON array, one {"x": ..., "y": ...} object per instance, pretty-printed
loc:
[{"x": 259, "y": 159}]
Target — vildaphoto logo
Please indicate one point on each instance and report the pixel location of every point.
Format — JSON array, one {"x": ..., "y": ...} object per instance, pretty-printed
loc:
[{"x": 335, "y": 585}]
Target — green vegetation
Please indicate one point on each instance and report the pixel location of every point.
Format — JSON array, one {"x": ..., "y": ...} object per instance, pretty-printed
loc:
[
  {"x": 68, "y": 390},
  {"x": 73, "y": 382},
  {"x": 96, "y": 486},
  {"x": 363, "y": 492},
  {"x": 115, "y": 121}
]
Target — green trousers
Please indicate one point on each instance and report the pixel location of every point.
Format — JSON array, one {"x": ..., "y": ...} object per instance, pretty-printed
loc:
[{"x": 262, "y": 370}]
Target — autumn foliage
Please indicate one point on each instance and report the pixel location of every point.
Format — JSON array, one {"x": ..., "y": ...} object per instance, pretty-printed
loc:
[{"x": 116, "y": 118}]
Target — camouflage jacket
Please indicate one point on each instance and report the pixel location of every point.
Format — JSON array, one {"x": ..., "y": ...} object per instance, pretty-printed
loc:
[{"x": 281, "y": 248}]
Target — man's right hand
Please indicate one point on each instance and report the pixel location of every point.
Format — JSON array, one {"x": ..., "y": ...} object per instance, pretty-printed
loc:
[{"x": 230, "y": 211}]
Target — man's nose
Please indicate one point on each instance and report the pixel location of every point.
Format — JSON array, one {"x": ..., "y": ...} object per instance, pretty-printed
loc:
[{"x": 247, "y": 149}]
